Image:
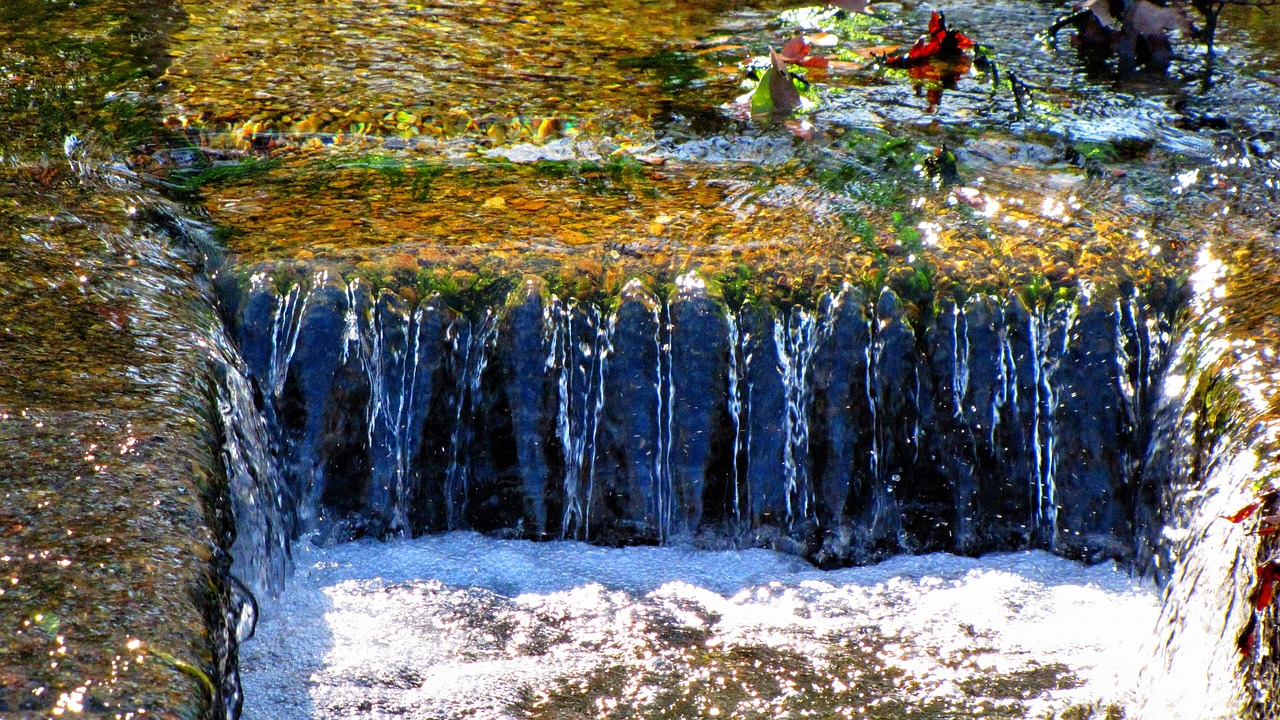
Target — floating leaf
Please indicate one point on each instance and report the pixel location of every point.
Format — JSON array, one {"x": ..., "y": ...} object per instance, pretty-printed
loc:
[
  {"x": 802, "y": 129},
  {"x": 823, "y": 39},
  {"x": 795, "y": 49},
  {"x": 796, "y": 52},
  {"x": 776, "y": 92}
]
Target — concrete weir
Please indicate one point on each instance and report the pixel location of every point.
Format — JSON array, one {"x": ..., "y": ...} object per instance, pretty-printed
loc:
[
  {"x": 577, "y": 293},
  {"x": 113, "y": 516},
  {"x": 128, "y": 484}
]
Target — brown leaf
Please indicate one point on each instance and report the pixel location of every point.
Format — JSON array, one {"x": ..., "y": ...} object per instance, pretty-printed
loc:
[
  {"x": 853, "y": 6},
  {"x": 717, "y": 48},
  {"x": 876, "y": 51},
  {"x": 795, "y": 50},
  {"x": 786, "y": 98},
  {"x": 842, "y": 66},
  {"x": 1101, "y": 9},
  {"x": 1147, "y": 18},
  {"x": 802, "y": 129}
]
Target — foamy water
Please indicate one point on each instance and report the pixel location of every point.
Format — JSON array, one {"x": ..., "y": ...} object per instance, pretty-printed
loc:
[{"x": 462, "y": 625}]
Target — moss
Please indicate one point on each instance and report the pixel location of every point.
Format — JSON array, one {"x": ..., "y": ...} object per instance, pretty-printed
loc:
[
  {"x": 738, "y": 287},
  {"x": 188, "y": 181},
  {"x": 467, "y": 293},
  {"x": 677, "y": 70}
]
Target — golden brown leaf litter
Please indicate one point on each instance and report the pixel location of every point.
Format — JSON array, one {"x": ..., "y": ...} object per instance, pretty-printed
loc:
[
  {"x": 312, "y": 83},
  {"x": 487, "y": 70},
  {"x": 619, "y": 219}
]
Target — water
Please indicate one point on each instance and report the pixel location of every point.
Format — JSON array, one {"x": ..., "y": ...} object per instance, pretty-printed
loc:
[
  {"x": 720, "y": 335},
  {"x": 463, "y": 625}
]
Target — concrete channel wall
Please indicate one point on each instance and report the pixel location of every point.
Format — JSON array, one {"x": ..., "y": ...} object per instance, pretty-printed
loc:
[{"x": 112, "y": 515}]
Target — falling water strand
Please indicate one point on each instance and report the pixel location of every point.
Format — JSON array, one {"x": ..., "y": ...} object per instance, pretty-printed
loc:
[
  {"x": 999, "y": 398},
  {"x": 736, "y": 354},
  {"x": 470, "y": 342},
  {"x": 793, "y": 338},
  {"x": 1050, "y": 359},
  {"x": 391, "y": 369},
  {"x": 286, "y": 325},
  {"x": 960, "y": 360},
  {"x": 263, "y": 524},
  {"x": 351, "y": 321},
  {"x": 1132, "y": 367},
  {"x": 580, "y": 370},
  {"x": 663, "y": 490},
  {"x": 1040, "y": 465},
  {"x": 1123, "y": 360},
  {"x": 873, "y": 405}
]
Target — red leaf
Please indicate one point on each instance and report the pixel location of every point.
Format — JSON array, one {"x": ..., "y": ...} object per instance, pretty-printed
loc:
[
  {"x": 940, "y": 43},
  {"x": 1266, "y": 592},
  {"x": 924, "y": 49},
  {"x": 1267, "y": 576},
  {"x": 1243, "y": 512},
  {"x": 937, "y": 24},
  {"x": 795, "y": 50}
]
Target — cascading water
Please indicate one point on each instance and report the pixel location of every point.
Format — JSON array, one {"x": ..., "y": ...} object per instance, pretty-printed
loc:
[
  {"x": 846, "y": 433},
  {"x": 657, "y": 421},
  {"x": 470, "y": 343}
]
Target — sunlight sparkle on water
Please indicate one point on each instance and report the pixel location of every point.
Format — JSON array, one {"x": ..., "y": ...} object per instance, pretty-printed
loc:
[{"x": 464, "y": 625}]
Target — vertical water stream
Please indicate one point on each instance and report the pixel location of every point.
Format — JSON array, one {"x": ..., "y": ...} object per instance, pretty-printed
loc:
[{"x": 845, "y": 432}]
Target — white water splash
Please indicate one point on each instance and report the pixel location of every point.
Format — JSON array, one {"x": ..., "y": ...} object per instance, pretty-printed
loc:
[{"x": 466, "y": 626}]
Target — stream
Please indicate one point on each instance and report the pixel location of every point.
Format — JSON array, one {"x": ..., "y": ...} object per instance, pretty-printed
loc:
[{"x": 513, "y": 359}]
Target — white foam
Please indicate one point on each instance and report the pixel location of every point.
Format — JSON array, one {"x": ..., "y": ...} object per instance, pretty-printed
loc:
[{"x": 464, "y": 625}]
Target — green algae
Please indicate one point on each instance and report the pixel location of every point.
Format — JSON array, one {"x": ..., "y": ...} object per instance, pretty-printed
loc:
[{"x": 85, "y": 68}]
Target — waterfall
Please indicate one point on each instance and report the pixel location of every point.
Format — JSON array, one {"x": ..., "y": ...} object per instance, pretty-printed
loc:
[
  {"x": 845, "y": 432},
  {"x": 579, "y": 342},
  {"x": 849, "y": 431},
  {"x": 470, "y": 343},
  {"x": 259, "y": 498},
  {"x": 794, "y": 339}
]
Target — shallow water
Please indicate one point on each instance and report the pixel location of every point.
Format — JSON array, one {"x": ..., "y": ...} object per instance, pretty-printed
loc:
[
  {"x": 462, "y": 625},
  {"x": 426, "y": 146}
]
